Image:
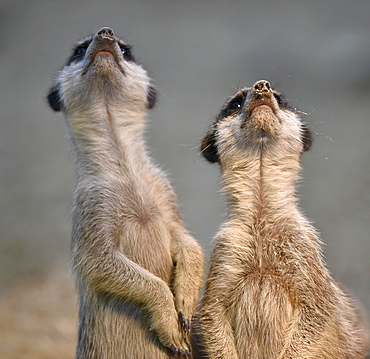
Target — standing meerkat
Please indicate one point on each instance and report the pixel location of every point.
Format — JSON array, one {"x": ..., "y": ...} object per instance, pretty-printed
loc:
[
  {"x": 138, "y": 270},
  {"x": 268, "y": 294}
]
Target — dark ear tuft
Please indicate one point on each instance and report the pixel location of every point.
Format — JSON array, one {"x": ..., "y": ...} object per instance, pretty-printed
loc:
[
  {"x": 151, "y": 97},
  {"x": 209, "y": 147},
  {"x": 54, "y": 98},
  {"x": 306, "y": 138}
]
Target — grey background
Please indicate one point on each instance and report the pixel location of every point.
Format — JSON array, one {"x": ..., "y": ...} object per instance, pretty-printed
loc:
[{"x": 197, "y": 52}]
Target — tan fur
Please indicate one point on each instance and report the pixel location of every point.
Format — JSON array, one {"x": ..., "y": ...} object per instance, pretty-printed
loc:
[
  {"x": 137, "y": 269},
  {"x": 268, "y": 293}
]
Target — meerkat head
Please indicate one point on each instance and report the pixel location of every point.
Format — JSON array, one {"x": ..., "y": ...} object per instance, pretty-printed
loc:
[
  {"x": 256, "y": 119},
  {"x": 101, "y": 68}
]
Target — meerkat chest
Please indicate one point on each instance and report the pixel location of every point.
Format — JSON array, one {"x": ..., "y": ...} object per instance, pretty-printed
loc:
[
  {"x": 260, "y": 249},
  {"x": 127, "y": 210},
  {"x": 261, "y": 293}
]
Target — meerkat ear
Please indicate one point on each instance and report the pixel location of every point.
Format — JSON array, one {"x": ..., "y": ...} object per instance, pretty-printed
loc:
[
  {"x": 151, "y": 97},
  {"x": 54, "y": 99},
  {"x": 306, "y": 138},
  {"x": 209, "y": 147}
]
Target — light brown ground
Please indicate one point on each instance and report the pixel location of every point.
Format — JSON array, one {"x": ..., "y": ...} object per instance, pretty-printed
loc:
[{"x": 39, "y": 319}]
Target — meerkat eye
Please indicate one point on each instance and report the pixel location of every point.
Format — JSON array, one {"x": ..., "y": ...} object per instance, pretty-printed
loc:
[
  {"x": 126, "y": 52},
  {"x": 281, "y": 101},
  {"x": 234, "y": 106},
  {"x": 79, "y": 52}
]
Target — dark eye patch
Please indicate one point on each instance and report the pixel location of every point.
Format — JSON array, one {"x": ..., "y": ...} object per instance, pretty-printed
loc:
[
  {"x": 281, "y": 100},
  {"x": 233, "y": 106},
  {"x": 126, "y": 51},
  {"x": 79, "y": 51}
]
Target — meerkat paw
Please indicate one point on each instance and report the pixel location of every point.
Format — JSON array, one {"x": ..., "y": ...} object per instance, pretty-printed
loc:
[
  {"x": 185, "y": 323},
  {"x": 170, "y": 333},
  {"x": 175, "y": 342},
  {"x": 186, "y": 309}
]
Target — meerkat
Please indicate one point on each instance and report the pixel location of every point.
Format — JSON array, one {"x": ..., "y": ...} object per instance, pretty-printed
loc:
[
  {"x": 138, "y": 270},
  {"x": 268, "y": 293}
]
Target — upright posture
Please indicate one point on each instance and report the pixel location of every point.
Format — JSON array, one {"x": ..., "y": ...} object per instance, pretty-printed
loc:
[
  {"x": 268, "y": 293},
  {"x": 137, "y": 269}
]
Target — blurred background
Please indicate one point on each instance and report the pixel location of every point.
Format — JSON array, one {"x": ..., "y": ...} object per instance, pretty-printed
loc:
[{"x": 197, "y": 52}]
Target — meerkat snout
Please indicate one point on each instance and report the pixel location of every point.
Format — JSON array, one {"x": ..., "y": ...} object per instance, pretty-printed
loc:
[
  {"x": 106, "y": 32},
  {"x": 262, "y": 86}
]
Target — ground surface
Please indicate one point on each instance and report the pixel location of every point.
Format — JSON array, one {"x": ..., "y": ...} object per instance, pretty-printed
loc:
[{"x": 38, "y": 319}]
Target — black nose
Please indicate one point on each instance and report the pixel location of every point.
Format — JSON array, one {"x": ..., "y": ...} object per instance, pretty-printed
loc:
[
  {"x": 106, "y": 32},
  {"x": 262, "y": 86}
]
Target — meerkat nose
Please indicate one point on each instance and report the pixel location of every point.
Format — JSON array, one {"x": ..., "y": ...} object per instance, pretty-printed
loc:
[
  {"x": 106, "y": 32},
  {"x": 262, "y": 86}
]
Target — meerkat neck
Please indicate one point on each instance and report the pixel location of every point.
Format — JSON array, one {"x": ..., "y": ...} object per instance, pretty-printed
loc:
[
  {"x": 107, "y": 140},
  {"x": 262, "y": 187}
]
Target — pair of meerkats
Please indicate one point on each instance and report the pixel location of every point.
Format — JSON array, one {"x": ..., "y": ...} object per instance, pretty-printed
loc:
[{"x": 138, "y": 270}]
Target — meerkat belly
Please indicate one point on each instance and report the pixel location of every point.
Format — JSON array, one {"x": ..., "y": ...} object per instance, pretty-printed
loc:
[
  {"x": 152, "y": 244},
  {"x": 144, "y": 236},
  {"x": 117, "y": 330},
  {"x": 261, "y": 312},
  {"x": 132, "y": 218}
]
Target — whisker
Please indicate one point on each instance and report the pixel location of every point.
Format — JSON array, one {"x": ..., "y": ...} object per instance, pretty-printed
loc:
[{"x": 321, "y": 134}]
